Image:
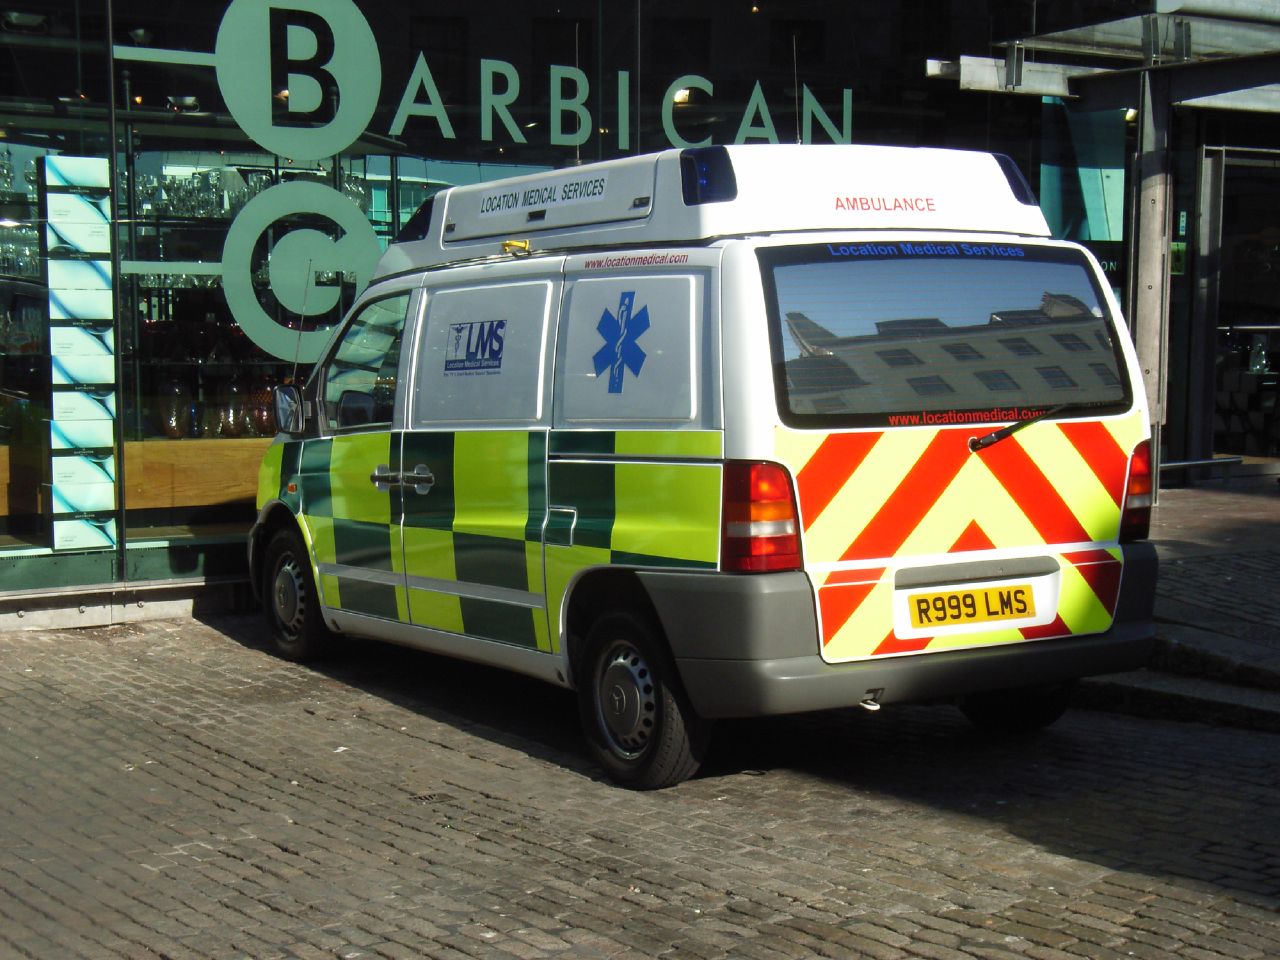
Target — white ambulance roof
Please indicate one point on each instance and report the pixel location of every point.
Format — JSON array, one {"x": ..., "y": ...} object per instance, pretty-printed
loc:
[{"x": 704, "y": 193}]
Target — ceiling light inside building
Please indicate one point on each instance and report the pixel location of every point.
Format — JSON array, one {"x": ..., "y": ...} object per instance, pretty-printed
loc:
[{"x": 20, "y": 20}]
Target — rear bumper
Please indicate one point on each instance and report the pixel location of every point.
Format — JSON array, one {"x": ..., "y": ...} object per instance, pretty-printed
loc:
[{"x": 744, "y": 646}]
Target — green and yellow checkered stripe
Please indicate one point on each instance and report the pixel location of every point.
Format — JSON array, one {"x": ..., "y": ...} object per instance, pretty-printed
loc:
[
  {"x": 635, "y": 498},
  {"x": 350, "y": 523},
  {"x": 480, "y": 527},
  {"x": 468, "y": 556}
]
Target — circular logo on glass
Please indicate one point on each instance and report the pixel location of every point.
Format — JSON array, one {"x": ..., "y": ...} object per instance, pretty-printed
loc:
[{"x": 295, "y": 259}]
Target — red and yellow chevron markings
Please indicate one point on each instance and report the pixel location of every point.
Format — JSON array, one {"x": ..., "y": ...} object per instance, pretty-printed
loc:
[{"x": 874, "y": 501}]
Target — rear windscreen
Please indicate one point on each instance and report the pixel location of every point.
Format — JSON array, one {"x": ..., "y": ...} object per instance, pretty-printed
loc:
[{"x": 915, "y": 333}]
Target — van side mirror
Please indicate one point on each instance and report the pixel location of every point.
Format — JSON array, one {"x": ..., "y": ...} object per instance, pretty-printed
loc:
[{"x": 288, "y": 403}]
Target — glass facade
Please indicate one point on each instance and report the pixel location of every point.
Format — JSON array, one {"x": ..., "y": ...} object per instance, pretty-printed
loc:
[{"x": 192, "y": 195}]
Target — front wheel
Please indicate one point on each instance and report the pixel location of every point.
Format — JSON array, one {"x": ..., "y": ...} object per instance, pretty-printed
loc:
[
  {"x": 1020, "y": 710},
  {"x": 290, "y": 601},
  {"x": 637, "y": 721}
]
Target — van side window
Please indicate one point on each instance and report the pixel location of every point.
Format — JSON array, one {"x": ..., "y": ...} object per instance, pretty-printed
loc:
[
  {"x": 482, "y": 357},
  {"x": 630, "y": 350},
  {"x": 360, "y": 380}
]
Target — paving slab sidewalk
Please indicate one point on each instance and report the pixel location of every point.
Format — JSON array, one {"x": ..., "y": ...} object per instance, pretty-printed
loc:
[{"x": 1217, "y": 610}]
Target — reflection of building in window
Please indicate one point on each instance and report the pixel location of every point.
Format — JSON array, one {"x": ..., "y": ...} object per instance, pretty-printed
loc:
[
  {"x": 996, "y": 380},
  {"x": 1053, "y": 306},
  {"x": 820, "y": 374},
  {"x": 1056, "y": 377},
  {"x": 962, "y": 351},
  {"x": 1105, "y": 374},
  {"x": 1104, "y": 341},
  {"x": 899, "y": 358},
  {"x": 930, "y": 386},
  {"x": 1071, "y": 342},
  {"x": 812, "y": 339},
  {"x": 857, "y": 374},
  {"x": 829, "y": 405},
  {"x": 904, "y": 326},
  {"x": 1020, "y": 346},
  {"x": 1064, "y": 306}
]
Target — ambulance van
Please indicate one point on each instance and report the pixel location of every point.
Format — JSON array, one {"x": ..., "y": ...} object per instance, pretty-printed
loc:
[{"x": 727, "y": 432}]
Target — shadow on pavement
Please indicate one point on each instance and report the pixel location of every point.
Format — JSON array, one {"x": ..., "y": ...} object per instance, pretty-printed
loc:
[
  {"x": 1151, "y": 797},
  {"x": 1154, "y": 797}
]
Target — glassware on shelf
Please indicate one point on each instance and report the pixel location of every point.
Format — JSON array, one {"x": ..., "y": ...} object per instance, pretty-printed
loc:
[
  {"x": 262, "y": 414},
  {"x": 199, "y": 195},
  {"x": 174, "y": 413},
  {"x": 210, "y": 419},
  {"x": 356, "y": 189},
  {"x": 230, "y": 410},
  {"x": 1258, "y": 361},
  {"x": 196, "y": 341},
  {"x": 197, "y": 420}
]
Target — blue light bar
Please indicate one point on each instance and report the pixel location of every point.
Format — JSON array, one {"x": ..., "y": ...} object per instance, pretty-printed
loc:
[{"x": 706, "y": 174}]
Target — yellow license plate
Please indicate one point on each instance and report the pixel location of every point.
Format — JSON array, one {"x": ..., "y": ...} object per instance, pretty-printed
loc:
[{"x": 988, "y": 604}]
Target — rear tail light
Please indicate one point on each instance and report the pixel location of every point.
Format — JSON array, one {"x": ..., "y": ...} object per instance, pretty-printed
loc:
[
  {"x": 761, "y": 529},
  {"x": 1135, "y": 519}
]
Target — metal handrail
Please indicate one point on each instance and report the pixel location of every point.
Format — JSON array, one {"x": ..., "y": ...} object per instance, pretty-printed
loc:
[{"x": 1211, "y": 462}]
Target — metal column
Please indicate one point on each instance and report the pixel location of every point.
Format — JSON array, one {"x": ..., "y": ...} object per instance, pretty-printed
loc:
[{"x": 1148, "y": 307}]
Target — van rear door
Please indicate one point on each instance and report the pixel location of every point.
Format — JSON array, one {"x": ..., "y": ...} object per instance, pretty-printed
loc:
[{"x": 893, "y": 360}]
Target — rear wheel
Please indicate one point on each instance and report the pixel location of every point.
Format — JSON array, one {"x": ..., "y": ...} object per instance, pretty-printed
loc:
[
  {"x": 1019, "y": 710},
  {"x": 637, "y": 720},
  {"x": 290, "y": 601}
]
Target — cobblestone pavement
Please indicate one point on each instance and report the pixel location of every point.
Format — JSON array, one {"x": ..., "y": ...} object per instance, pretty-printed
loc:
[
  {"x": 1234, "y": 594},
  {"x": 1222, "y": 519},
  {"x": 1219, "y": 556},
  {"x": 1219, "y": 566},
  {"x": 172, "y": 790}
]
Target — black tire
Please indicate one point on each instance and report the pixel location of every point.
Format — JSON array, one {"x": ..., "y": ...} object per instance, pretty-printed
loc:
[
  {"x": 290, "y": 600},
  {"x": 636, "y": 718},
  {"x": 1020, "y": 710}
]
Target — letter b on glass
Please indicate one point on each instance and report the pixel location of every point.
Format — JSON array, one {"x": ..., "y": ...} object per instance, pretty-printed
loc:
[{"x": 300, "y": 77}]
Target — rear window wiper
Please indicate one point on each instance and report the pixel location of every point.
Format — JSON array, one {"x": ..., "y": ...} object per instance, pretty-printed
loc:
[{"x": 1004, "y": 433}]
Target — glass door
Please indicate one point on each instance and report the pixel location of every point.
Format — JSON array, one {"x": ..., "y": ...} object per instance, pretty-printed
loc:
[{"x": 1241, "y": 235}]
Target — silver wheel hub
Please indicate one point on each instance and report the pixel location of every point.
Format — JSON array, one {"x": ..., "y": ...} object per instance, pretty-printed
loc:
[
  {"x": 288, "y": 595},
  {"x": 625, "y": 701}
]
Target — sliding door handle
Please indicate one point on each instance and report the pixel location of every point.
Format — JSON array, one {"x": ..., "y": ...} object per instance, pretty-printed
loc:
[
  {"x": 422, "y": 479},
  {"x": 384, "y": 479}
]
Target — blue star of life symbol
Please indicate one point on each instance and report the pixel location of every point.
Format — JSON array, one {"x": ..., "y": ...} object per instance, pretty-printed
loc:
[{"x": 620, "y": 351}]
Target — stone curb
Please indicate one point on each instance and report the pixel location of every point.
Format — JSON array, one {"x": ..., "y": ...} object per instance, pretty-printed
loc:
[
  {"x": 1147, "y": 693},
  {"x": 1187, "y": 650}
]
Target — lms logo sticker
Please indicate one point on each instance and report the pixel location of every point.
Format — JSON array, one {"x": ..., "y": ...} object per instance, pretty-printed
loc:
[
  {"x": 620, "y": 351},
  {"x": 475, "y": 347}
]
